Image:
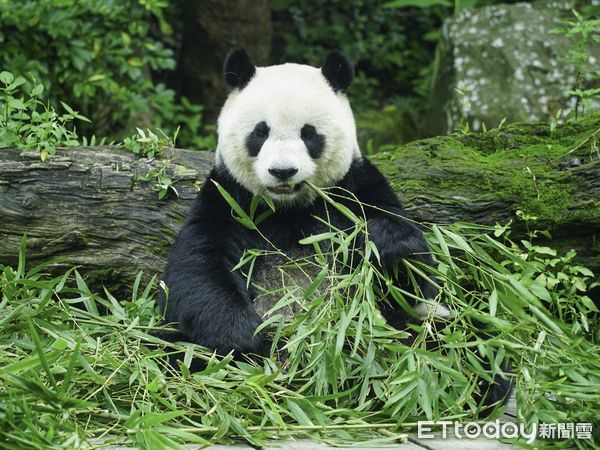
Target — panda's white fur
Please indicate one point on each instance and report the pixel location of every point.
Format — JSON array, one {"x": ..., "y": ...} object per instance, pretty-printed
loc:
[{"x": 287, "y": 97}]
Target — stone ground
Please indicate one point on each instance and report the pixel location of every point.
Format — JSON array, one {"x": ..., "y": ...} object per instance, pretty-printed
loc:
[{"x": 413, "y": 443}]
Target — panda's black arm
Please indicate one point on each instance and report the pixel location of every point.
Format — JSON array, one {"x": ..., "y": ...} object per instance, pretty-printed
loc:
[
  {"x": 394, "y": 236},
  {"x": 209, "y": 302}
]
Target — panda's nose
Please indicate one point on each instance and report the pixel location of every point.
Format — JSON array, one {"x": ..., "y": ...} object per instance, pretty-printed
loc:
[{"x": 283, "y": 174}]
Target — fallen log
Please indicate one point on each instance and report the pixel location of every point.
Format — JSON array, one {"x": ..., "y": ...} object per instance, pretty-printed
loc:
[{"x": 88, "y": 207}]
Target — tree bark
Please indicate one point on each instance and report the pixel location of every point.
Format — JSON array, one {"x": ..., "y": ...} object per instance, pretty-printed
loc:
[
  {"x": 88, "y": 207},
  {"x": 211, "y": 29}
]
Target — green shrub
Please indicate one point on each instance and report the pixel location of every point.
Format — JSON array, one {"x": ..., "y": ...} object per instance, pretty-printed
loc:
[
  {"x": 149, "y": 143},
  {"x": 26, "y": 122},
  {"x": 100, "y": 56},
  {"x": 391, "y": 49}
]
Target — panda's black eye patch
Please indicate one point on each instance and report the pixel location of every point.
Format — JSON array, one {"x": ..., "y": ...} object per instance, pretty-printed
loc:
[
  {"x": 315, "y": 142},
  {"x": 256, "y": 139},
  {"x": 261, "y": 130}
]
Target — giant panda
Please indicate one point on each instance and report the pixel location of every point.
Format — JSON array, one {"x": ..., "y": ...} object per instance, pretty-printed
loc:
[{"x": 280, "y": 127}]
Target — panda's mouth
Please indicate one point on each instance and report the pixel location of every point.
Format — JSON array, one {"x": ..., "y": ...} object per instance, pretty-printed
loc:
[{"x": 285, "y": 189}]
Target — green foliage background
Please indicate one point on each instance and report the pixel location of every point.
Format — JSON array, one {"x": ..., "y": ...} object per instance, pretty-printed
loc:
[
  {"x": 111, "y": 59},
  {"x": 104, "y": 58}
]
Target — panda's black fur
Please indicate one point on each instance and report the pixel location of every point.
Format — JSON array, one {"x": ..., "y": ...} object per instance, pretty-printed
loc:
[{"x": 210, "y": 303}]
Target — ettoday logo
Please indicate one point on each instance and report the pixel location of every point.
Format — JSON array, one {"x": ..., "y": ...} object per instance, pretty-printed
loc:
[{"x": 497, "y": 430}]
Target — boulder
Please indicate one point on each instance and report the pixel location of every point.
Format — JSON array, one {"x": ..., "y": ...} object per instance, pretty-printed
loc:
[{"x": 504, "y": 62}]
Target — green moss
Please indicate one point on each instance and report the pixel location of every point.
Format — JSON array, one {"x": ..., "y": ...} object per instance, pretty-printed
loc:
[
  {"x": 518, "y": 164},
  {"x": 579, "y": 129},
  {"x": 548, "y": 203},
  {"x": 588, "y": 214}
]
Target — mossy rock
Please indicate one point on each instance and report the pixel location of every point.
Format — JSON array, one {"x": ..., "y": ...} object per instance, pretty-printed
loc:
[
  {"x": 505, "y": 62},
  {"x": 552, "y": 175}
]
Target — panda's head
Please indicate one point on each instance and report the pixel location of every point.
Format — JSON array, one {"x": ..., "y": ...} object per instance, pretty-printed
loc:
[{"x": 286, "y": 124}]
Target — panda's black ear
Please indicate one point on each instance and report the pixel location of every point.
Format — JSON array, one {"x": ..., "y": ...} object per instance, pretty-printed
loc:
[
  {"x": 338, "y": 70},
  {"x": 238, "y": 70}
]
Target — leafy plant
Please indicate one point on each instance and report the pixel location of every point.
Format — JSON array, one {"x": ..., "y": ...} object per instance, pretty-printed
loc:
[
  {"x": 93, "y": 141},
  {"x": 583, "y": 32},
  {"x": 392, "y": 51},
  {"x": 108, "y": 59},
  {"x": 464, "y": 105},
  {"x": 163, "y": 182},
  {"x": 149, "y": 143},
  {"x": 69, "y": 373},
  {"x": 26, "y": 122}
]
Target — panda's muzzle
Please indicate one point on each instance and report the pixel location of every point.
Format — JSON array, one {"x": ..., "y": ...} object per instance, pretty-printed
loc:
[
  {"x": 285, "y": 188},
  {"x": 283, "y": 174}
]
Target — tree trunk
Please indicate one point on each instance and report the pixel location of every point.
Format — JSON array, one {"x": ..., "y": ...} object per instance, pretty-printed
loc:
[
  {"x": 211, "y": 29},
  {"x": 87, "y": 206}
]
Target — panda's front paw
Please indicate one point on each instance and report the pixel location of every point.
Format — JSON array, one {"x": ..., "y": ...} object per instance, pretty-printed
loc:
[{"x": 396, "y": 240}]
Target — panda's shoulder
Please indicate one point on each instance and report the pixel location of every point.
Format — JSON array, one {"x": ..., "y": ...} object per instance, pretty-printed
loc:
[
  {"x": 369, "y": 185},
  {"x": 210, "y": 204},
  {"x": 362, "y": 174}
]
